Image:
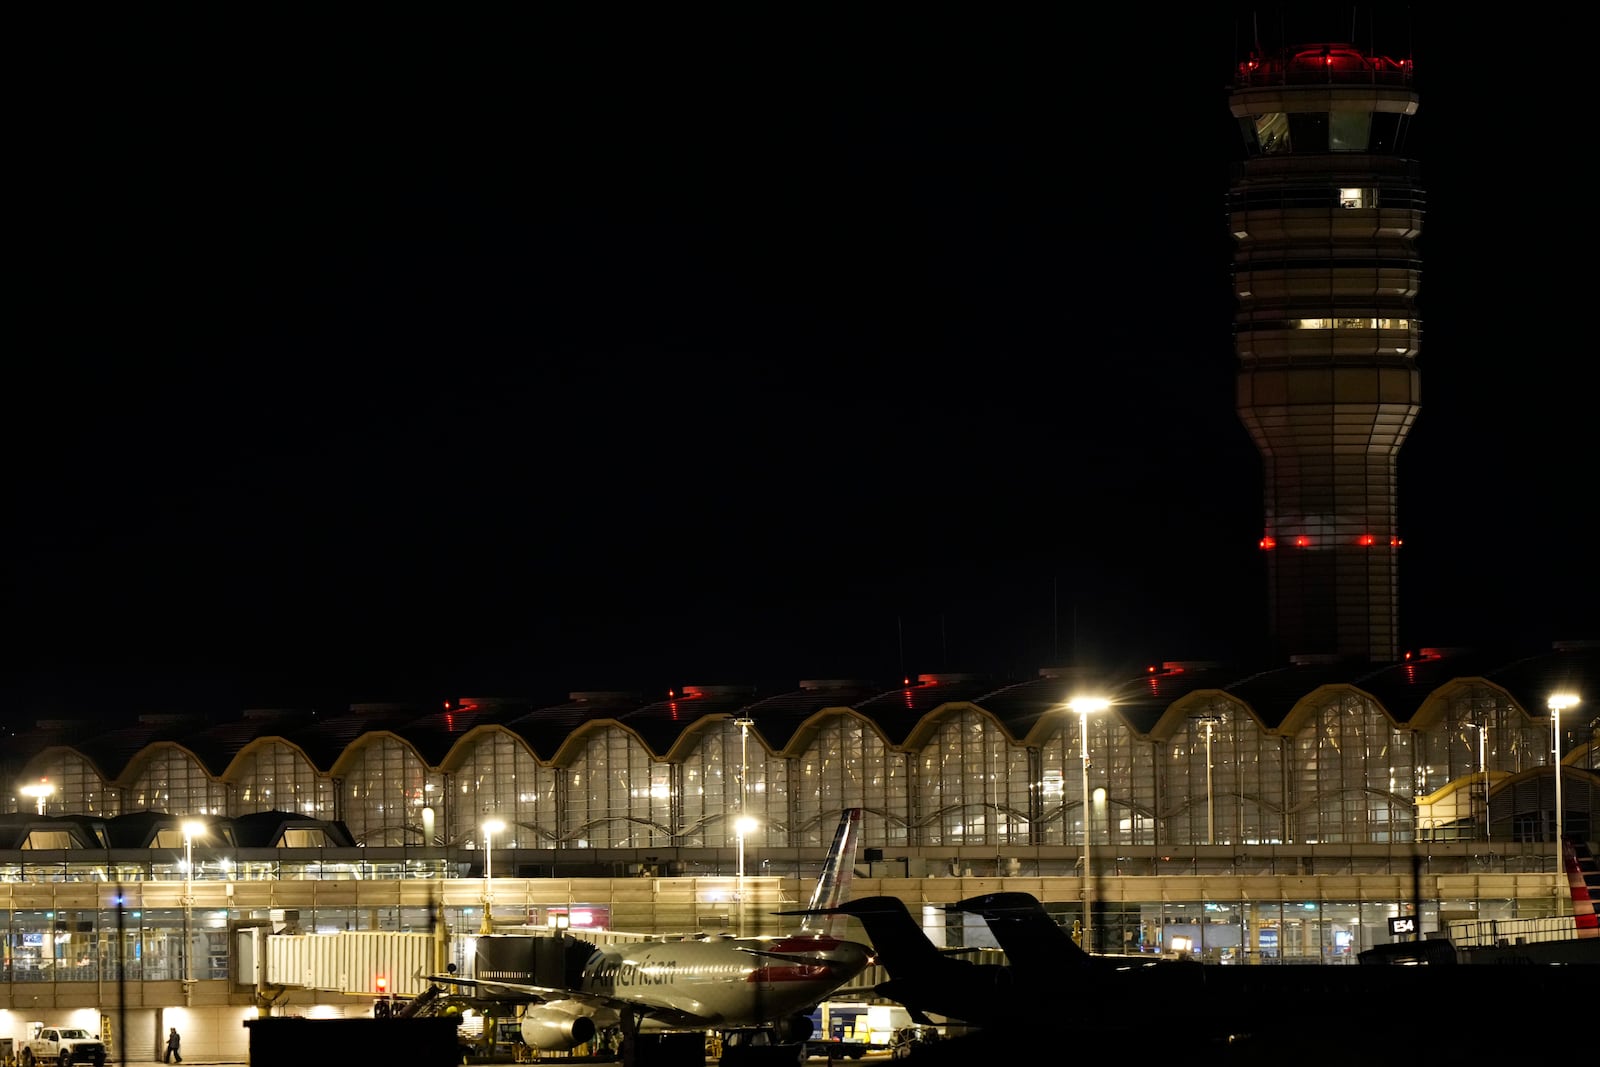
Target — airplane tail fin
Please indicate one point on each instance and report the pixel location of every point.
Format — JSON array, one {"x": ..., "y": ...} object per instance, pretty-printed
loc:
[
  {"x": 838, "y": 871},
  {"x": 899, "y": 943},
  {"x": 1583, "y": 879},
  {"x": 1033, "y": 941}
]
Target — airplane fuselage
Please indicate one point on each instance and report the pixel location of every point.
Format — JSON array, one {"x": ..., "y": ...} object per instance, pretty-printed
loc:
[{"x": 724, "y": 982}]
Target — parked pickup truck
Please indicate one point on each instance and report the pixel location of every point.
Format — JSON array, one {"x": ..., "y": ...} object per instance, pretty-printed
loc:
[{"x": 63, "y": 1046}]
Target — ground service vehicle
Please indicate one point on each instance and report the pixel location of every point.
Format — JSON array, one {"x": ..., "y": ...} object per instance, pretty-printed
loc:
[
  {"x": 835, "y": 1049},
  {"x": 64, "y": 1046}
]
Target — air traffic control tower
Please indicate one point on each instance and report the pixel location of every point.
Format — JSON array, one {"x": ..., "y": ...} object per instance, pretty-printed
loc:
[{"x": 1325, "y": 210}]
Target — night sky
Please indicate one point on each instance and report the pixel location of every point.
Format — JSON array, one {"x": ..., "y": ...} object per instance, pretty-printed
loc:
[{"x": 516, "y": 356}]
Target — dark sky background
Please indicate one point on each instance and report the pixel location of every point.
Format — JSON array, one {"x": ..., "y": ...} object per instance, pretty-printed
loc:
[{"x": 405, "y": 359}]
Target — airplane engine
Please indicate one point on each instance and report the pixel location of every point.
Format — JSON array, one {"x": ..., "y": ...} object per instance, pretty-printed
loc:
[{"x": 553, "y": 1030}]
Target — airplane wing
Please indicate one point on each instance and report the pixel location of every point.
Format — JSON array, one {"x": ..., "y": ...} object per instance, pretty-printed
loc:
[
  {"x": 590, "y": 1002},
  {"x": 532, "y": 992},
  {"x": 791, "y": 957}
]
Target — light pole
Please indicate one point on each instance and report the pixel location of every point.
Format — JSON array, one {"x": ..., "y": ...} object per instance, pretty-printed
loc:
[
  {"x": 742, "y": 823},
  {"x": 490, "y": 828},
  {"x": 42, "y": 791},
  {"x": 191, "y": 830},
  {"x": 742, "y": 826},
  {"x": 1559, "y": 702},
  {"x": 1086, "y": 706},
  {"x": 1483, "y": 769},
  {"x": 1209, "y": 722}
]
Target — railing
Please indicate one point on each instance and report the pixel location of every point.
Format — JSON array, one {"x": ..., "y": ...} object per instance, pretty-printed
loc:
[
  {"x": 1489, "y": 933},
  {"x": 23, "y": 971},
  {"x": 1323, "y": 65}
]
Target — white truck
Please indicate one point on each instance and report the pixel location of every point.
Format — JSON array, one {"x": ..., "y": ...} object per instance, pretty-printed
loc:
[{"x": 63, "y": 1045}]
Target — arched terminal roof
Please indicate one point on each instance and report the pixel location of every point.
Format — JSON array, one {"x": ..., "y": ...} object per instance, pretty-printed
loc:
[{"x": 1146, "y": 701}]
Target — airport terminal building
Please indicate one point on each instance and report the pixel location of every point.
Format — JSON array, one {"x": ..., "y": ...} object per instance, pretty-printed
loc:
[
  {"x": 1265, "y": 817},
  {"x": 1256, "y": 814}
]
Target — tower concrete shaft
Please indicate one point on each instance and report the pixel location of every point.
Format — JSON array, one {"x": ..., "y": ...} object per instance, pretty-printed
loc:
[{"x": 1326, "y": 211}]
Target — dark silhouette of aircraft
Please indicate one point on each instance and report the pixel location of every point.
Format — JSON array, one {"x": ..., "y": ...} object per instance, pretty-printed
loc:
[
  {"x": 1051, "y": 987},
  {"x": 926, "y": 979}
]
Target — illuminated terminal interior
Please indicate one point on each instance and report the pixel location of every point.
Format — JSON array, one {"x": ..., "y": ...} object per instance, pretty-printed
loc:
[
  {"x": 1250, "y": 816},
  {"x": 1278, "y": 817}
]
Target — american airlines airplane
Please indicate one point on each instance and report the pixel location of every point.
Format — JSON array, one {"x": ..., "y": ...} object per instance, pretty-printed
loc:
[{"x": 665, "y": 994}]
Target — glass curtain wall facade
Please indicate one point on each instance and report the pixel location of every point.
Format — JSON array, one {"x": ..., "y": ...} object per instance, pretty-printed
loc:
[
  {"x": 78, "y": 787},
  {"x": 1343, "y": 773},
  {"x": 618, "y": 795},
  {"x": 973, "y": 786},
  {"x": 386, "y": 786},
  {"x": 848, "y": 764},
  {"x": 712, "y": 795},
  {"x": 1206, "y": 791},
  {"x": 173, "y": 781},
  {"x": 497, "y": 776},
  {"x": 274, "y": 776},
  {"x": 1354, "y": 778}
]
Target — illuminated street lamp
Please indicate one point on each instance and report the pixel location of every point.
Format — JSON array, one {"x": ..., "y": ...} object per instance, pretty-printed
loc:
[
  {"x": 1086, "y": 706},
  {"x": 1209, "y": 722},
  {"x": 490, "y": 828},
  {"x": 1557, "y": 703},
  {"x": 192, "y": 828},
  {"x": 42, "y": 791}
]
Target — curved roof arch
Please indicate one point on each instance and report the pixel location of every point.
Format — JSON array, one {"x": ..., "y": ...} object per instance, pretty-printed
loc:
[
  {"x": 30, "y": 769},
  {"x": 235, "y": 766},
  {"x": 1471, "y": 783},
  {"x": 807, "y": 730},
  {"x": 1435, "y": 707},
  {"x": 690, "y": 737},
  {"x": 457, "y": 754},
  {"x": 141, "y": 759},
  {"x": 1049, "y": 725},
  {"x": 1544, "y": 770},
  {"x": 1313, "y": 703},
  {"x": 1190, "y": 704},
  {"x": 921, "y": 733},
  {"x": 578, "y": 740},
  {"x": 358, "y": 747}
]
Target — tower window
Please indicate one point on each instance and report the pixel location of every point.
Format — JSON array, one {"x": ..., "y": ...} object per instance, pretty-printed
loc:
[
  {"x": 1356, "y": 197},
  {"x": 1270, "y": 133},
  {"x": 1349, "y": 324},
  {"x": 1349, "y": 131}
]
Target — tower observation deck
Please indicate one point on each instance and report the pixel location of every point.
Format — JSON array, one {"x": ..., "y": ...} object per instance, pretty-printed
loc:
[{"x": 1325, "y": 211}]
